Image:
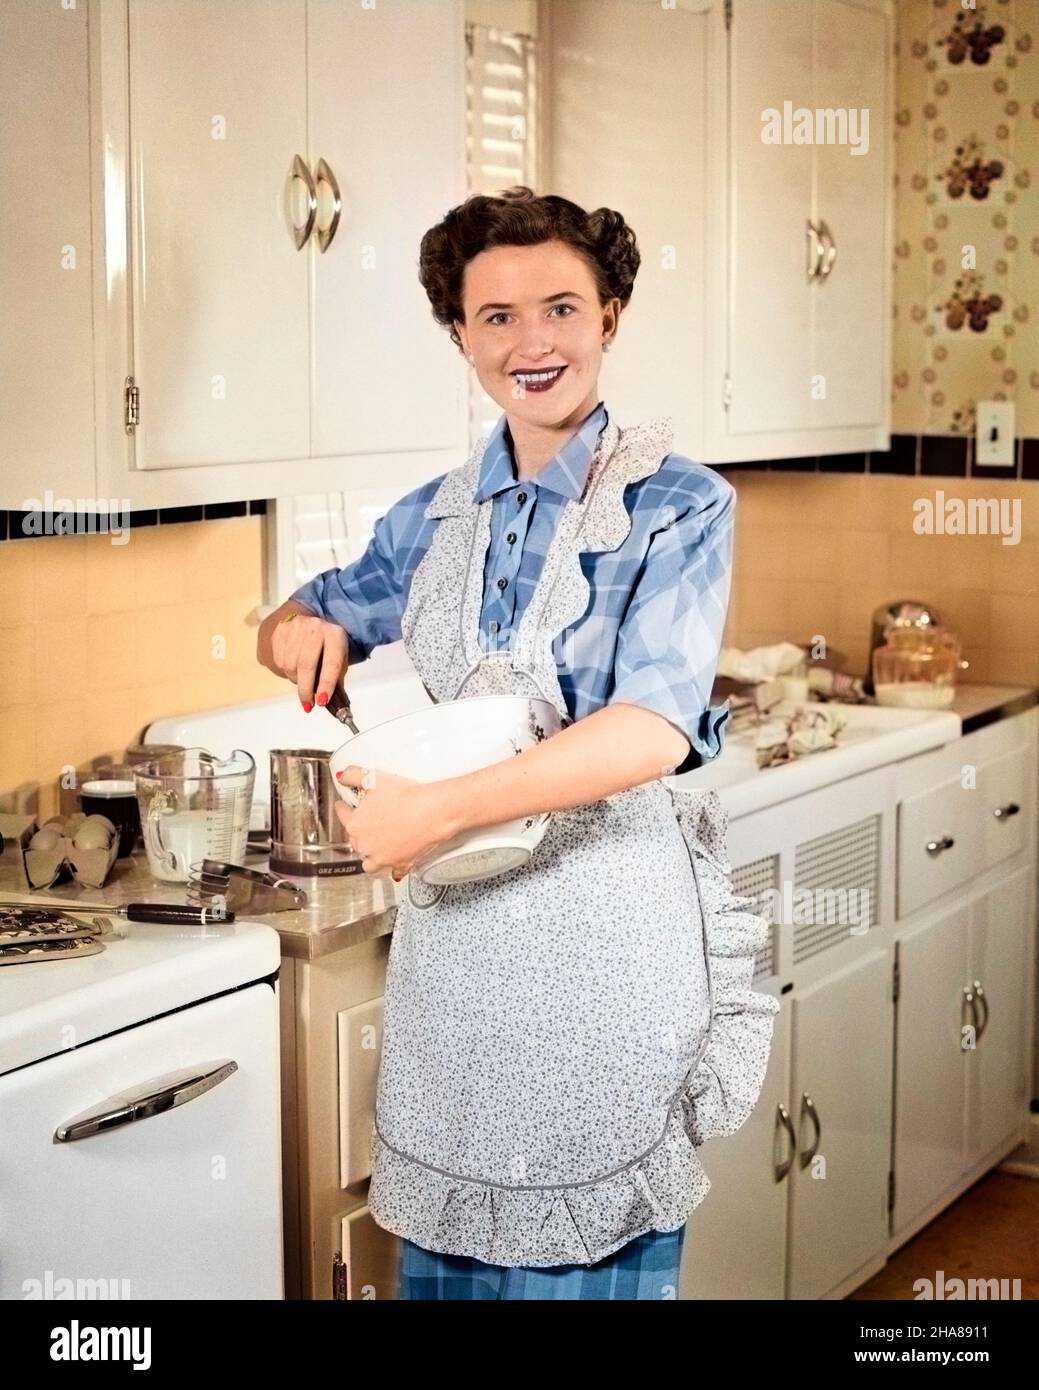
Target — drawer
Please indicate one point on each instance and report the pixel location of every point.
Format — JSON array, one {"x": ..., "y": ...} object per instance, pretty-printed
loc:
[
  {"x": 360, "y": 1046},
  {"x": 1002, "y": 802},
  {"x": 939, "y": 843}
]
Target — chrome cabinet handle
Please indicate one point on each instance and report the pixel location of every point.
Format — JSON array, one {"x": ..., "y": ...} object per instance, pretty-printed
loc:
[
  {"x": 1005, "y": 812},
  {"x": 808, "y": 1108},
  {"x": 969, "y": 1003},
  {"x": 325, "y": 175},
  {"x": 141, "y": 1102},
  {"x": 830, "y": 254},
  {"x": 935, "y": 847},
  {"x": 301, "y": 172},
  {"x": 816, "y": 250},
  {"x": 784, "y": 1121},
  {"x": 979, "y": 995}
]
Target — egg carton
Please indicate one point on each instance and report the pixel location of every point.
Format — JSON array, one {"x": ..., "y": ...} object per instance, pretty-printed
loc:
[{"x": 77, "y": 846}]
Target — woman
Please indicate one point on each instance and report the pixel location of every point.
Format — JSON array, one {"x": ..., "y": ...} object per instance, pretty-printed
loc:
[{"x": 558, "y": 1039}]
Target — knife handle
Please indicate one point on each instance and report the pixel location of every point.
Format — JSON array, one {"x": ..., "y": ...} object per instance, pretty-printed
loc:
[{"x": 177, "y": 913}]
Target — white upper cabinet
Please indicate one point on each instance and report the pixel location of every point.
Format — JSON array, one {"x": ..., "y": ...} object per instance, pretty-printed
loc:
[
  {"x": 218, "y": 110},
  {"x": 760, "y": 319},
  {"x": 46, "y": 341},
  {"x": 386, "y": 376}
]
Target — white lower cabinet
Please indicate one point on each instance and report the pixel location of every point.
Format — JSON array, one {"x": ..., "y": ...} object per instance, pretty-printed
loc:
[{"x": 840, "y": 1106}]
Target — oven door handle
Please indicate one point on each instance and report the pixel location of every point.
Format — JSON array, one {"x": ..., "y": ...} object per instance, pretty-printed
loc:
[{"x": 150, "y": 1098}]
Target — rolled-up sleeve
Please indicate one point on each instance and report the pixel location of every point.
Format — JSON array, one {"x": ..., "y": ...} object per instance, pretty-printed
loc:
[
  {"x": 670, "y": 637},
  {"x": 365, "y": 597}
]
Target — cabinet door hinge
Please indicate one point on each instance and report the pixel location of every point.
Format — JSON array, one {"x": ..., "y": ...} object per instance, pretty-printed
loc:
[
  {"x": 727, "y": 391},
  {"x": 132, "y": 405},
  {"x": 338, "y": 1277},
  {"x": 728, "y": 14},
  {"x": 890, "y": 1192}
]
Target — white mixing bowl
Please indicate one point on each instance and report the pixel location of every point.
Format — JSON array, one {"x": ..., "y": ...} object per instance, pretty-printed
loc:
[{"x": 449, "y": 740}]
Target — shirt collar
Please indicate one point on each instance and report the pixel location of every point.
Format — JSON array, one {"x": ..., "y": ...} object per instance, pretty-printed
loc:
[{"x": 566, "y": 473}]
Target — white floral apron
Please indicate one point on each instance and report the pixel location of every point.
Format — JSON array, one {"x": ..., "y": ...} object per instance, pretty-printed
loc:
[{"x": 559, "y": 1039}]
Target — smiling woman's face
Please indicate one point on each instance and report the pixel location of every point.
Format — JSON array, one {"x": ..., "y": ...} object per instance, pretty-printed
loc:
[{"x": 535, "y": 309}]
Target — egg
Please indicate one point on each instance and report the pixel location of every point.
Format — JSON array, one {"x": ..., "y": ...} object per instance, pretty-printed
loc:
[
  {"x": 96, "y": 832},
  {"x": 47, "y": 837}
]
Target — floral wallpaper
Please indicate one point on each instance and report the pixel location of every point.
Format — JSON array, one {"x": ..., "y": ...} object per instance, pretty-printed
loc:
[{"x": 967, "y": 213}]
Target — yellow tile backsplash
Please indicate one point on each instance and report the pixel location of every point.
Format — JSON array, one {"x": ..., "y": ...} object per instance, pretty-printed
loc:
[
  {"x": 852, "y": 547},
  {"x": 99, "y": 640}
]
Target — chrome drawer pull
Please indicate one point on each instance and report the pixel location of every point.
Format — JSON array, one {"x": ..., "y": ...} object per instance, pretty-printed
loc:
[
  {"x": 935, "y": 847},
  {"x": 979, "y": 995},
  {"x": 150, "y": 1098},
  {"x": 808, "y": 1108},
  {"x": 784, "y": 1122},
  {"x": 1005, "y": 812}
]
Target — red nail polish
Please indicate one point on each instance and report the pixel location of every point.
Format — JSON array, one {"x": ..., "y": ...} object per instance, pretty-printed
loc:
[
  {"x": 307, "y": 706},
  {"x": 322, "y": 699},
  {"x": 339, "y": 774},
  {"x": 397, "y": 879}
]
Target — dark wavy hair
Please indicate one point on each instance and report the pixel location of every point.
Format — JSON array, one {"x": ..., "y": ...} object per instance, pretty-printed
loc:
[{"x": 520, "y": 217}]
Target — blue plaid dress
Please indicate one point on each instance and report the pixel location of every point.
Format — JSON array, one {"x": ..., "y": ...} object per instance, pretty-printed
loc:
[
  {"x": 653, "y": 629},
  {"x": 646, "y": 1268}
]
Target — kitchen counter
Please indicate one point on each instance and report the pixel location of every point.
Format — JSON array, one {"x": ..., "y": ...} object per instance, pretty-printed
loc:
[
  {"x": 875, "y": 735},
  {"x": 345, "y": 911},
  {"x": 340, "y": 911}
]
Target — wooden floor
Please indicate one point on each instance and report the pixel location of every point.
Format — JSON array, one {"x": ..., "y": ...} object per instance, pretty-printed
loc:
[{"x": 991, "y": 1232}]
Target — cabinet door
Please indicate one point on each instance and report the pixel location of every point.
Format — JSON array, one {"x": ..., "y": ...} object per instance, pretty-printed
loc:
[
  {"x": 46, "y": 347},
  {"x": 930, "y": 1062},
  {"x": 745, "y": 1196},
  {"x": 997, "y": 1099},
  {"x": 370, "y": 1258},
  {"x": 852, "y": 196},
  {"x": 386, "y": 91},
  {"x": 770, "y": 345},
  {"x": 220, "y": 334},
  {"x": 360, "y": 1045},
  {"x": 838, "y": 1208}
]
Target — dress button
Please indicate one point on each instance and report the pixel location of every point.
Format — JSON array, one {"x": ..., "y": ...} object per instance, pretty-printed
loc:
[
  {"x": 521, "y": 497},
  {"x": 503, "y": 583},
  {"x": 511, "y": 538}
]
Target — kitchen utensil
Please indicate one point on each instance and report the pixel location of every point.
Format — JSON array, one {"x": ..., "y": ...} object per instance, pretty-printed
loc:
[
  {"x": 448, "y": 740},
  {"x": 906, "y": 613},
  {"x": 136, "y": 912},
  {"x": 339, "y": 707},
  {"x": 307, "y": 837},
  {"x": 111, "y": 792},
  {"x": 195, "y": 806},
  {"x": 212, "y": 882}
]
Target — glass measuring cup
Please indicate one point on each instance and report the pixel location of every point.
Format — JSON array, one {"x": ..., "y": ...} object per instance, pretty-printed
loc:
[{"x": 195, "y": 806}]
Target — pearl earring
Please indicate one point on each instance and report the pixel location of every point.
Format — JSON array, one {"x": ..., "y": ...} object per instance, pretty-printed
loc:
[
  {"x": 472, "y": 359},
  {"x": 605, "y": 347}
]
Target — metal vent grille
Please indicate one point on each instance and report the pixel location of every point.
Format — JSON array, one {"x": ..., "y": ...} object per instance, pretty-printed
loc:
[
  {"x": 758, "y": 880},
  {"x": 836, "y": 887}
]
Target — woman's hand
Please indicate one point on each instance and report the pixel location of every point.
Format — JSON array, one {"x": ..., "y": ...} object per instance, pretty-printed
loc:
[
  {"x": 295, "y": 643},
  {"x": 398, "y": 821}
]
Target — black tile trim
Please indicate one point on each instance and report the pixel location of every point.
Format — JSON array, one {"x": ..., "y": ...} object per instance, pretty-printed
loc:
[
  {"x": 258, "y": 506},
  {"x": 147, "y": 516},
  {"x": 217, "y": 510},
  {"x": 943, "y": 456},
  {"x": 900, "y": 458},
  {"x": 1030, "y": 459},
  {"x": 172, "y": 516},
  {"x": 842, "y": 463},
  {"x": 3, "y": 526}
]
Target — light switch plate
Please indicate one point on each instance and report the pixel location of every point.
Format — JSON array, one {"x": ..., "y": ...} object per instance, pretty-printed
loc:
[{"x": 994, "y": 439}]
